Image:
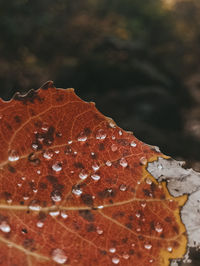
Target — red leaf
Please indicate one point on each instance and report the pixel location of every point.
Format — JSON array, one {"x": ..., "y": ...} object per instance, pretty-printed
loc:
[{"x": 74, "y": 188}]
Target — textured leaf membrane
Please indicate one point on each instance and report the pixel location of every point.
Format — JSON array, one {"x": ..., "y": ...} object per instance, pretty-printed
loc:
[{"x": 75, "y": 190}]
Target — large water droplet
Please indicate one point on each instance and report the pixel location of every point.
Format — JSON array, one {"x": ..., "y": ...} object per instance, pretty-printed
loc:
[
  {"x": 112, "y": 250},
  {"x": 56, "y": 195},
  {"x": 123, "y": 162},
  {"x": 83, "y": 175},
  {"x": 76, "y": 190},
  {"x": 115, "y": 260},
  {"x": 114, "y": 147},
  {"x": 59, "y": 256},
  {"x": 100, "y": 134},
  {"x": 122, "y": 187},
  {"x": 133, "y": 144},
  {"x": 148, "y": 246},
  {"x": 5, "y": 227},
  {"x": 13, "y": 156},
  {"x": 57, "y": 167},
  {"x": 95, "y": 177},
  {"x": 48, "y": 154},
  {"x": 95, "y": 167}
]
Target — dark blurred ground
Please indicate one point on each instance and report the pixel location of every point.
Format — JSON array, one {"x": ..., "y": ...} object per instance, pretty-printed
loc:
[{"x": 138, "y": 60}]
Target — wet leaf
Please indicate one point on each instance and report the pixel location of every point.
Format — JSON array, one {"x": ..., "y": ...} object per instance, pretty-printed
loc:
[{"x": 75, "y": 190}]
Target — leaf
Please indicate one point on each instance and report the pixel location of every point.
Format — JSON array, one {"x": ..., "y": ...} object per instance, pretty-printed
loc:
[{"x": 75, "y": 189}]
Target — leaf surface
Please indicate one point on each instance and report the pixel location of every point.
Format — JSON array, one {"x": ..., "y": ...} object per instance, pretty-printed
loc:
[{"x": 75, "y": 190}]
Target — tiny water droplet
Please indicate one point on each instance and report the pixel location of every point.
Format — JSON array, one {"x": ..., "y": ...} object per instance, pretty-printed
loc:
[
  {"x": 95, "y": 177},
  {"x": 138, "y": 229},
  {"x": 108, "y": 163},
  {"x": 5, "y": 227},
  {"x": 40, "y": 224},
  {"x": 133, "y": 144},
  {"x": 56, "y": 195},
  {"x": 35, "y": 190},
  {"x": 115, "y": 260},
  {"x": 83, "y": 175},
  {"x": 57, "y": 151},
  {"x": 112, "y": 250},
  {"x": 148, "y": 181},
  {"x": 54, "y": 212},
  {"x": 13, "y": 156},
  {"x": 151, "y": 260},
  {"x": 101, "y": 134},
  {"x": 82, "y": 137},
  {"x": 35, "y": 146},
  {"x": 170, "y": 249},
  {"x": 34, "y": 206},
  {"x": 123, "y": 162},
  {"x": 158, "y": 228},
  {"x": 143, "y": 160},
  {"x": 38, "y": 172},
  {"x": 77, "y": 190},
  {"x": 100, "y": 207},
  {"x": 99, "y": 231},
  {"x": 64, "y": 215},
  {"x": 125, "y": 256},
  {"x": 113, "y": 137},
  {"x": 25, "y": 198},
  {"x": 148, "y": 246},
  {"x": 114, "y": 147},
  {"x": 138, "y": 182},
  {"x": 59, "y": 256},
  {"x": 57, "y": 167},
  {"x": 23, "y": 178},
  {"x": 48, "y": 154},
  {"x": 45, "y": 127},
  {"x": 95, "y": 167},
  {"x": 19, "y": 185},
  {"x": 69, "y": 142},
  {"x": 138, "y": 215},
  {"x": 120, "y": 132},
  {"x": 122, "y": 187},
  {"x": 143, "y": 204}
]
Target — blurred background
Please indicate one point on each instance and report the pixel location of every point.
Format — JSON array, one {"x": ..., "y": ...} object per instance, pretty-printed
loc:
[{"x": 139, "y": 60}]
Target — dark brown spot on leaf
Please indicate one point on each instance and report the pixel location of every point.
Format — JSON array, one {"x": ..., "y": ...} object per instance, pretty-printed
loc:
[
  {"x": 87, "y": 215},
  {"x": 87, "y": 199}
]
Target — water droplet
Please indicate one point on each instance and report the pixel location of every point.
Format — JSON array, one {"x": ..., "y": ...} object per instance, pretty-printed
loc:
[
  {"x": 34, "y": 206},
  {"x": 100, "y": 207},
  {"x": 148, "y": 181},
  {"x": 13, "y": 156},
  {"x": 170, "y": 249},
  {"x": 35, "y": 190},
  {"x": 122, "y": 187},
  {"x": 82, "y": 137},
  {"x": 133, "y": 144},
  {"x": 59, "y": 256},
  {"x": 112, "y": 250},
  {"x": 45, "y": 127},
  {"x": 48, "y": 154},
  {"x": 19, "y": 185},
  {"x": 115, "y": 260},
  {"x": 143, "y": 204},
  {"x": 95, "y": 177},
  {"x": 108, "y": 163},
  {"x": 56, "y": 195},
  {"x": 138, "y": 215},
  {"x": 143, "y": 160},
  {"x": 69, "y": 142},
  {"x": 114, "y": 147},
  {"x": 25, "y": 198},
  {"x": 64, "y": 215},
  {"x": 35, "y": 146},
  {"x": 158, "y": 228},
  {"x": 75, "y": 152},
  {"x": 151, "y": 260},
  {"x": 38, "y": 172},
  {"x": 113, "y": 137},
  {"x": 57, "y": 167},
  {"x": 123, "y": 162},
  {"x": 83, "y": 175},
  {"x": 125, "y": 256},
  {"x": 55, "y": 212},
  {"x": 138, "y": 182},
  {"x": 9, "y": 201},
  {"x": 5, "y": 227},
  {"x": 99, "y": 231},
  {"x": 101, "y": 134},
  {"x": 95, "y": 167},
  {"x": 76, "y": 190},
  {"x": 138, "y": 229},
  {"x": 120, "y": 132},
  {"x": 57, "y": 151},
  {"x": 23, "y": 178},
  {"x": 40, "y": 224},
  {"x": 148, "y": 246}
]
